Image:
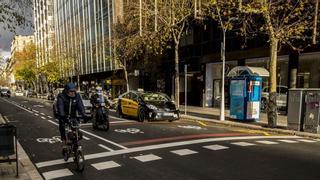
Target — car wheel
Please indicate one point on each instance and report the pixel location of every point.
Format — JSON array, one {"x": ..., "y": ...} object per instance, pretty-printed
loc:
[{"x": 141, "y": 115}]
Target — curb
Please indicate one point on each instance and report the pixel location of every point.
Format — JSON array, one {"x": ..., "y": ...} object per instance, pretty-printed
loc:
[
  {"x": 253, "y": 127},
  {"x": 24, "y": 161}
]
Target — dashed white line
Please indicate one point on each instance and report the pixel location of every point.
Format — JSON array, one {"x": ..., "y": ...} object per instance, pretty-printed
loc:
[
  {"x": 216, "y": 147},
  {"x": 287, "y": 141},
  {"x": 86, "y": 138},
  {"x": 49, "y": 117},
  {"x": 183, "y": 152},
  {"x": 105, "y": 165},
  {"x": 43, "y": 117},
  {"x": 267, "y": 142},
  {"x": 105, "y": 147},
  {"x": 243, "y": 144},
  {"x": 57, "y": 174},
  {"x": 36, "y": 111},
  {"x": 147, "y": 158},
  {"x": 42, "y": 114},
  {"x": 36, "y": 114},
  {"x": 307, "y": 140}
]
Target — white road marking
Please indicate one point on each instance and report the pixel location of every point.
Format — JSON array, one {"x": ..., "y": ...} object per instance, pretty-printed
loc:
[
  {"x": 105, "y": 147},
  {"x": 267, "y": 142},
  {"x": 112, "y": 122},
  {"x": 287, "y": 141},
  {"x": 49, "y": 117},
  {"x": 98, "y": 137},
  {"x": 85, "y": 137},
  {"x": 43, "y": 117},
  {"x": 307, "y": 140},
  {"x": 147, "y": 158},
  {"x": 57, "y": 174},
  {"x": 36, "y": 111},
  {"x": 105, "y": 165},
  {"x": 42, "y": 114},
  {"x": 216, "y": 147},
  {"x": 36, "y": 114},
  {"x": 243, "y": 144},
  {"x": 161, "y": 146},
  {"x": 183, "y": 152}
]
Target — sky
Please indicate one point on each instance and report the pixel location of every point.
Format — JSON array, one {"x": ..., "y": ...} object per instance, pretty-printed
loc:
[{"x": 23, "y": 7}]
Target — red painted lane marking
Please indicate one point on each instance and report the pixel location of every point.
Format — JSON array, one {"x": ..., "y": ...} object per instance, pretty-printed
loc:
[{"x": 156, "y": 140}]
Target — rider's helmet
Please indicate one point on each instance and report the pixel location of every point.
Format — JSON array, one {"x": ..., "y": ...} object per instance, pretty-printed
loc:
[
  {"x": 70, "y": 89},
  {"x": 99, "y": 90}
]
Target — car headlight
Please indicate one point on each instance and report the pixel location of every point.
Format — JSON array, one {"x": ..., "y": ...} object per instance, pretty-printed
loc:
[{"x": 150, "y": 106}]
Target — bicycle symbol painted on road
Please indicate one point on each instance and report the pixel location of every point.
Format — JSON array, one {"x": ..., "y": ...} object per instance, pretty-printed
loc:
[
  {"x": 129, "y": 130},
  {"x": 54, "y": 139}
]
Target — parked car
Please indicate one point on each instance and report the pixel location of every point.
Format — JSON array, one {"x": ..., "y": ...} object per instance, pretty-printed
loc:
[
  {"x": 147, "y": 105},
  {"x": 31, "y": 93},
  {"x": 282, "y": 92},
  {"x": 19, "y": 93},
  {"x": 86, "y": 102},
  {"x": 5, "y": 92}
]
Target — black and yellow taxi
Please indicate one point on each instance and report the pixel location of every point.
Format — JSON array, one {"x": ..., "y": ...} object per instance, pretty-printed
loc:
[{"x": 147, "y": 106}]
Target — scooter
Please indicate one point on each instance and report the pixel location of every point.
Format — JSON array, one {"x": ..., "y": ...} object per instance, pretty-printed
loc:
[{"x": 101, "y": 118}]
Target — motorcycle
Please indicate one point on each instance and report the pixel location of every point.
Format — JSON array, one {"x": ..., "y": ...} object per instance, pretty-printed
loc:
[
  {"x": 74, "y": 148},
  {"x": 101, "y": 118}
]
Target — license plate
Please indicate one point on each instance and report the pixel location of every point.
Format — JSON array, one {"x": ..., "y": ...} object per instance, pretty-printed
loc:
[{"x": 168, "y": 114}]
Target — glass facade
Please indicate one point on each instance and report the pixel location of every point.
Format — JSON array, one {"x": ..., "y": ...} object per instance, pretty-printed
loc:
[{"x": 83, "y": 35}]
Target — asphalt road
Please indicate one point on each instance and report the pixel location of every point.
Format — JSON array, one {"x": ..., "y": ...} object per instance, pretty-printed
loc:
[{"x": 162, "y": 150}]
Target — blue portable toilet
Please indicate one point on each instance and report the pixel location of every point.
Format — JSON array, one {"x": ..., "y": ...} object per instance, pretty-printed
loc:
[{"x": 245, "y": 92}]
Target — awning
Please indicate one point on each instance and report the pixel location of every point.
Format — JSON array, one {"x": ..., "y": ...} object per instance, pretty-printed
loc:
[{"x": 248, "y": 71}]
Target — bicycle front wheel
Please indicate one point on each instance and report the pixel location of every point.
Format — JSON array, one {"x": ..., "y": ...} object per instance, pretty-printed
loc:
[{"x": 79, "y": 160}]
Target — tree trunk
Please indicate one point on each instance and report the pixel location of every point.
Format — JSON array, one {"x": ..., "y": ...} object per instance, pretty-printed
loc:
[
  {"x": 176, "y": 74},
  {"x": 126, "y": 75},
  {"x": 272, "y": 104},
  {"x": 315, "y": 23},
  {"x": 78, "y": 81},
  {"x": 223, "y": 58}
]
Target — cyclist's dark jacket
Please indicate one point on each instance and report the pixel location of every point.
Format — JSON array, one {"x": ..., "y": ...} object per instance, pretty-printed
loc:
[{"x": 63, "y": 104}]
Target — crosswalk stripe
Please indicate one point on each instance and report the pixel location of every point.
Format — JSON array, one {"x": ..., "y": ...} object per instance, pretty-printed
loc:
[
  {"x": 287, "y": 141},
  {"x": 49, "y": 117},
  {"x": 183, "y": 152},
  {"x": 36, "y": 114},
  {"x": 215, "y": 147},
  {"x": 42, "y": 113},
  {"x": 267, "y": 142},
  {"x": 43, "y": 117},
  {"x": 147, "y": 158},
  {"x": 243, "y": 144},
  {"x": 57, "y": 174},
  {"x": 307, "y": 140},
  {"x": 105, "y": 147},
  {"x": 105, "y": 165}
]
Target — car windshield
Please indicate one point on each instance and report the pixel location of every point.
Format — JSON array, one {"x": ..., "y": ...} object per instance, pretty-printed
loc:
[
  {"x": 84, "y": 96},
  {"x": 155, "y": 97}
]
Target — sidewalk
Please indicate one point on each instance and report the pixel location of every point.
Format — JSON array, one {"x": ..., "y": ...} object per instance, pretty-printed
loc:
[
  {"x": 213, "y": 115},
  {"x": 27, "y": 170}
]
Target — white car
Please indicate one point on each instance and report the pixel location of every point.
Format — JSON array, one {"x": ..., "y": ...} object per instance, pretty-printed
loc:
[
  {"x": 19, "y": 93},
  {"x": 282, "y": 92}
]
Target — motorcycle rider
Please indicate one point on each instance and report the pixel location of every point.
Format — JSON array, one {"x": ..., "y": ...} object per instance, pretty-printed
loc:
[
  {"x": 68, "y": 103},
  {"x": 97, "y": 99}
]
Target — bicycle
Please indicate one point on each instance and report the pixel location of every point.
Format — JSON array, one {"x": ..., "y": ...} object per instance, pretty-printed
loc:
[{"x": 74, "y": 148}]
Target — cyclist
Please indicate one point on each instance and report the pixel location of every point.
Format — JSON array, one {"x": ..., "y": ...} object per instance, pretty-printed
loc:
[{"x": 68, "y": 103}]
